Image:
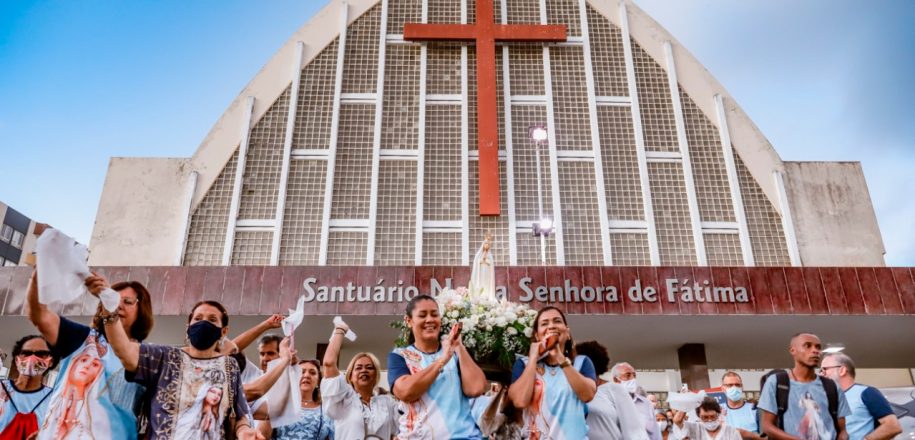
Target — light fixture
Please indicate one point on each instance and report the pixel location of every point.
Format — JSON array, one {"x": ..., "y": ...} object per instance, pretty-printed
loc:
[
  {"x": 543, "y": 228},
  {"x": 538, "y": 132},
  {"x": 833, "y": 348}
]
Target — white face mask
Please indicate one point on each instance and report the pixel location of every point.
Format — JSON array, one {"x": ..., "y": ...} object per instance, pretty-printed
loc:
[
  {"x": 630, "y": 385},
  {"x": 662, "y": 426},
  {"x": 711, "y": 426}
]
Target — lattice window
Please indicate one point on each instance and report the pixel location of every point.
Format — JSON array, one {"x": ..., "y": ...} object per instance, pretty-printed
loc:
[
  {"x": 621, "y": 172},
  {"x": 526, "y": 69},
  {"x": 403, "y": 11},
  {"x": 495, "y": 225},
  {"x": 442, "y": 172},
  {"x": 570, "y": 99},
  {"x": 265, "y": 160},
  {"x": 607, "y": 56},
  {"x": 443, "y": 249},
  {"x": 630, "y": 249},
  {"x": 764, "y": 223},
  {"x": 400, "y": 116},
  {"x": 472, "y": 11},
  {"x": 523, "y": 11},
  {"x": 709, "y": 173},
  {"x": 580, "y": 214},
  {"x": 444, "y": 11},
  {"x": 525, "y": 168},
  {"x": 395, "y": 236},
  {"x": 655, "y": 104},
  {"x": 346, "y": 248},
  {"x": 301, "y": 241},
  {"x": 564, "y": 12},
  {"x": 443, "y": 68},
  {"x": 207, "y": 233},
  {"x": 529, "y": 251},
  {"x": 352, "y": 174},
  {"x": 672, "y": 222},
  {"x": 316, "y": 100},
  {"x": 252, "y": 248},
  {"x": 723, "y": 250},
  {"x": 360, "y": 64}
]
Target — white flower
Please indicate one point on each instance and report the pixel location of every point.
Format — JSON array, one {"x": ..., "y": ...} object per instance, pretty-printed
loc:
[
  {"x": 500, "y": 321},
  {"x": 511, "y": 316},
  {"x": 528, "y": 332},
  {"x": 511, "y": 331}
]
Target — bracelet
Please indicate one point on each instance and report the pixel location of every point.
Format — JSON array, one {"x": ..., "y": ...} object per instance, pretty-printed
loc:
[
  {"x": 108, "y": 319},
  {"x": 339, "y": 331}
]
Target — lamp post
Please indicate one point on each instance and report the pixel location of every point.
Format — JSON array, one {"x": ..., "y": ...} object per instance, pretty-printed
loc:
[{"x": 544, "y": 226}]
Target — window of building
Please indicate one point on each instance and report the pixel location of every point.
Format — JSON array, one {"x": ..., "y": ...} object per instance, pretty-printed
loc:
[
  {"x": 18, "y": 237},
  {"x": 6, "y": 233}
]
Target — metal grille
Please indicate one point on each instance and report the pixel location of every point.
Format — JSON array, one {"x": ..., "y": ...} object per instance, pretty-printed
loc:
[
  {"x": 472, "y": 11},
  {"x": 472, "y": 100},
  {"x": 252, "y": 248},
  {"x": 400, "y": 116},
  {"x": 580, "y": 214},
  {"x": 526, "y": 69},
  {"x": 564, "y": 12},
  {"x": 709, "y": 173},
  {"x": 443, "y": 68},
  {"x": 630, "y": 249},
  {"x": 316, "y": 100},
  {"x": 346, "y": 248},
  {"x": 607, "y": 56},
  {"x": 395, "y": 236},
  {"x": 655, "y": 103},
  {"x": 206, "y": 236},
  {"x": 764, "y": 223},
  {"x": 360, "y": 64},
  {"x": 529, "y": 249},
  {"x": 352, "y": 174},
  {"x": 621, "y": 171},
  {"x": 723, "y": 250},
  {"x": 495, "y": 225},
  {"x": 442, "y": 172},
  {"x": 444, "y": 11},
  {"x": 668, "y": 193},
  {"x": 442, "y": 249},
  {"x": 261, "y": 180},
  {"x": 403, "y": 11},
  {"x": 301, "y": 240},
  {"x": 525, "y": 169},
  {"x": 523, "y": 11},
  {"x": 570, "y": 99}
]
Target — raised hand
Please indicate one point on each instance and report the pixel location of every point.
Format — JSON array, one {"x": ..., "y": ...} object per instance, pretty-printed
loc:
[
  {"x": 274, "y": 321},
  {"x": 96, "y": 284}
]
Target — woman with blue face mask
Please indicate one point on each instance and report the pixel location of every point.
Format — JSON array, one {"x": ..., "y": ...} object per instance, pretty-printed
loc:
[
  {"x": 198, "y": 391},
  {"x": 709, "y": 427}
]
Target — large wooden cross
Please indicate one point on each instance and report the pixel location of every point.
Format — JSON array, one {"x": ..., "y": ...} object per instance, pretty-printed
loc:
[{"x": 485, "y": 32}]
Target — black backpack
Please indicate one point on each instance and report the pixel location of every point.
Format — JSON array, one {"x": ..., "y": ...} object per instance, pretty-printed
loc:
[{"x": 783, "y": 386}]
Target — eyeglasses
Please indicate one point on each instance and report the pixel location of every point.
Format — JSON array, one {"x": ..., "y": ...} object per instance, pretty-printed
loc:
[
  {"x": 39, "y": 353},
  {"x": 825, "y": 369},
  {"x": 127, "y": 301}
]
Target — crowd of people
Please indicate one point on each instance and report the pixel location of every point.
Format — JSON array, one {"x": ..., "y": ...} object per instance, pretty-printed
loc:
[{"x": 112, "y": 384}]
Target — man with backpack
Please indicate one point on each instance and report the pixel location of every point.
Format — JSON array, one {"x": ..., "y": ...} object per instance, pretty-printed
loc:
[{"x": 799, "y": 405}]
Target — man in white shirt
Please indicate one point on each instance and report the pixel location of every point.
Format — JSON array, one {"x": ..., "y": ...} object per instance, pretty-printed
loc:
[
  {"x": 623, "y": 374},
  {"x": 708, "y": 427}
]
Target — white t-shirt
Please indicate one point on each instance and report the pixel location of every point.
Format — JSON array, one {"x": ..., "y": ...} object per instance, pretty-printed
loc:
[
  {"x": 695, "y": 431},
  {"x": 352, "y": 419}
]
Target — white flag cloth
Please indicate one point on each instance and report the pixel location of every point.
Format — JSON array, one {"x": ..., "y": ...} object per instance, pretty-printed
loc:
[
  {"x": 294, "y": 320},
  {"x": 350, "y": 334},
  {"x": 62, "y": 272},
  {"x": 284, "y": 398},
  {"x": 686, "y": 402}
]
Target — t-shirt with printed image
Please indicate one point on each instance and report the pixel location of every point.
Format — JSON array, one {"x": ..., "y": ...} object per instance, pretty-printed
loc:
[{"x": 807, "y": 416}]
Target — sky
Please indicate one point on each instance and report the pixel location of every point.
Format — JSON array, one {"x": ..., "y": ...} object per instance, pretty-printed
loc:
[{"x": 81, "y": 82}]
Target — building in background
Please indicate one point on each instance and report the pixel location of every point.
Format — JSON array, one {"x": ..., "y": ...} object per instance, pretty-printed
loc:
[{"x": 17, "y": 239}]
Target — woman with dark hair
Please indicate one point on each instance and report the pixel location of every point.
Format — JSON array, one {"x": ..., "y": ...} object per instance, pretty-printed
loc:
[
  {"x": 553, "y": 384},
  {"x": 24, "y": 396},
  {"x": 101, "y": 404},
  {"x": 180, "y": 374},
  {"x": 611, "y": 415},
  {"x": 434, "y": 378},
  {"x": 660, "y": 417},
  {"x": 313, "y": 423}
]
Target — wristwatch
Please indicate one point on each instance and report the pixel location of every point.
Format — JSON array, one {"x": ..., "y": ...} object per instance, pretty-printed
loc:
[{"x": 565, "y": 363}]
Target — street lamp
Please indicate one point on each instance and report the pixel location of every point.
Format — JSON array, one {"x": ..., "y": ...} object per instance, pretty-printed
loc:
[{"x": 544, "y": 226}]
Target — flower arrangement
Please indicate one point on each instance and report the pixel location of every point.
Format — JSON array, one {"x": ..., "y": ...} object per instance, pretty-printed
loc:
[{"x": 492, "y": 330}]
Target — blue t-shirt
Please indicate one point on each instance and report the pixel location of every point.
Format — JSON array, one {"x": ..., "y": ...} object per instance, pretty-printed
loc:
[
  {"x": 808, "y": 409},
  {"x": 443, "y": 412},
  {"x": 13, "y": 401},
  {"x": 867, "y": 406},
  {"x": 743, "y": 417},
  {"x": 555, "y": 410}
]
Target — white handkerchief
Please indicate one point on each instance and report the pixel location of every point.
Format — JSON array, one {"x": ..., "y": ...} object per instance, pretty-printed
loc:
[
  {"x": 685, "y": 402},
  {"x": 294, "y": 320},
  {"x": 284, "y": 398},
  {"x": 349, "y": 332},
  {"x": 62, "y": 271}
]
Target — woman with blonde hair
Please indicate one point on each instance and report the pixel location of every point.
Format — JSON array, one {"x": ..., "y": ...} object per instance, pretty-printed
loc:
[{"x": 350, "y": 399}]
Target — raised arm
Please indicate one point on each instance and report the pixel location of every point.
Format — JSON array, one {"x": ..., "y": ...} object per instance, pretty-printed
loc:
[
  {"x": 473, "y": 381},
  {"x": 126, "y": 350},
  {"x": 250, "y": 335},
  {"x": 46, "y": 321},
  {"x": 410, "y": 387},
  {"x": 332, "y": 354},
  {"x": 585, "y": 387},
  {"x": 258, "y": 387},
  {"x": 522, "y": 390}
]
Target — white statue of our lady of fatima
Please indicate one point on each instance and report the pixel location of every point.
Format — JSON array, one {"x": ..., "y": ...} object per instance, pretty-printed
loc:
[{"x": 483, "y": 275}]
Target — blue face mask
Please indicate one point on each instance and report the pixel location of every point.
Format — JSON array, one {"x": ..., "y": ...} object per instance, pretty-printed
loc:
[{"x": 735, "y": 394}]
